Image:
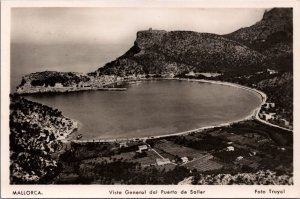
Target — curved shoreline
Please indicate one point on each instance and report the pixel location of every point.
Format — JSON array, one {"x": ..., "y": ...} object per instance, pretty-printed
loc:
[
  {"x": 256, "y": 111},
  {"x": 252, "y": 115}
]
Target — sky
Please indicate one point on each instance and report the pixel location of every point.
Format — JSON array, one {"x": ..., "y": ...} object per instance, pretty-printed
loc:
[{"x": 119, "y": 25}]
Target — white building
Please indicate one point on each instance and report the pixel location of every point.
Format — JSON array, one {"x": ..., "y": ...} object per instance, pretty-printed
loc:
[
  {"x": 142, "y": 148},
  {"x": 230, "y": 148},
  {"x": 58, "y": 85},
  {"x": 271, "y": 71},
  {"x": 123, "y": 144},
  {"x": 184, "y": 159},
  {"x": 192, "y": 74},
  {"x": 239, "y": 158},
  {"x": 269, "y": 105},
  {"x": 286, "y": 123},
  {"x": 162, "y": 161}
]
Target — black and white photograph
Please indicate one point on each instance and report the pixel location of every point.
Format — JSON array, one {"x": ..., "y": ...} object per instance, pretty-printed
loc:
[{"x": 126, "y": 95}]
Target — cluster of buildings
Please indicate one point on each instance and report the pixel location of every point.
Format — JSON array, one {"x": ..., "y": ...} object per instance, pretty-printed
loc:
[
  {"x": 266, "y": 115},
  {"x": 239, "y": 158},
  {"x": 141, "y": 148},
  {"x": 193, "y": 74}
]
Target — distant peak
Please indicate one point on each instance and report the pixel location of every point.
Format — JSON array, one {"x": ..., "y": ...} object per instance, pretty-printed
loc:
[{"x": 278, "y": 13}]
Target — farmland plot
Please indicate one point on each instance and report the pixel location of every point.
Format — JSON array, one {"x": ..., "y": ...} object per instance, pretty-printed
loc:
[{"x": 175, "y": 149}]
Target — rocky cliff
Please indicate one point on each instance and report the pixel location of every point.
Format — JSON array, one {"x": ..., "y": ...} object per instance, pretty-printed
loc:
[{"x": 161, "y": 52}]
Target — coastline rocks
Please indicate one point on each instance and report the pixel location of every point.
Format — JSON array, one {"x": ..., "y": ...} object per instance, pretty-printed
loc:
[{"x": 52, "y": 81}]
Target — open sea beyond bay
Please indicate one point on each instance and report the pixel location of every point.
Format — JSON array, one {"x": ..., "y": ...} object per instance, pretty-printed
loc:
[{"x": 150, "y": 108}]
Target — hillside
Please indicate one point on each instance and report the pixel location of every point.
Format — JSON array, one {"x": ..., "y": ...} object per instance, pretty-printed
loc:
[
  {"x": 50, "y": 78},
  {"x": 272, "y": 36},
  {"x": 35, "y": 134},
  {"x": 52, "y": 81},
  {"x": 176, "y": 52}
]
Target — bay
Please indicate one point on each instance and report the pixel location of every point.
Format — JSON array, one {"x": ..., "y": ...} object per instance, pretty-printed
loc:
[{"x": 151, "y": 108}]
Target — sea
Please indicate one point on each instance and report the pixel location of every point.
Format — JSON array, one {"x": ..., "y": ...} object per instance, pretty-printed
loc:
[{"x": 147, "y": 108}]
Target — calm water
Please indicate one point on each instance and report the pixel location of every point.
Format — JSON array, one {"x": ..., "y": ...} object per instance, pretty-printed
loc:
[{"x": 152, "y": 108}]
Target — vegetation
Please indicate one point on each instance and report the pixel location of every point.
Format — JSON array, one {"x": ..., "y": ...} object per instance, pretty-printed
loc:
[
  {"x": 179, "y": 51},
  {"x": 258, "y": 149},
  {"x": 34, "y": 129},
  {"x": 50, "y": 78},
  {"x": 118, "y": 171},
  {"x": 258, "y": 178}
]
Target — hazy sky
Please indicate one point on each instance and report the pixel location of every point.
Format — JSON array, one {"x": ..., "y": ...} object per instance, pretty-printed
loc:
[{"x": 114, "y": 25}]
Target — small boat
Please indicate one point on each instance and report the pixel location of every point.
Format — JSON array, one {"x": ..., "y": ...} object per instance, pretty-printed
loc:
[{"x": 79, "y": 136}]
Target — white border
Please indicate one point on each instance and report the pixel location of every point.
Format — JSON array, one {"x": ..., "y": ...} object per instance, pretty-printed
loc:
[{"x": 97, "y": 191}]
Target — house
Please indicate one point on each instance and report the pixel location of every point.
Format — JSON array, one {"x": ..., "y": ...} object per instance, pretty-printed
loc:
[
  {"x": 271, "y": 71},
  {"x": 123, "y": 144},
  {"x": 142, "y": 148},
  {"x": 43, "y": 135},
  {"x": 191, "y": 74},
  {"x": 58, "y": 85},
  {"x": 286, "y": 123},
  {"x": 184, "y": 159},
  {"x": 230, "y": 148},
  {"x": 269, "y": 105},
  {"x": 162, "y": 161},
  {"x": 239, "y": 158},
  {"x": 268, "y": 116}
]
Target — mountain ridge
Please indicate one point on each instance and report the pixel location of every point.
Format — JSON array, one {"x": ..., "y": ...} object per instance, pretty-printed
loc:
[{"x": 159, "y": 52}]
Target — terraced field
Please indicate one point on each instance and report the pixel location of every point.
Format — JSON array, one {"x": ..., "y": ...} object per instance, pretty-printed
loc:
[
  {"x": 175, "y": 149},
  {"x": 204, "y": 164}
]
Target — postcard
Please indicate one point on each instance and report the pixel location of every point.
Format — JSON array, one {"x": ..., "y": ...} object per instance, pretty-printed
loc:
[{"x": 150, "y": 99}]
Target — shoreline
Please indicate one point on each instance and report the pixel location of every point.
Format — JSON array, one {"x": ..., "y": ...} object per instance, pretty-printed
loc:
[
  {"x": 68, "y": 90},
  {"x": 262, "y": 95},
  {"x": 75, "y": 126},
  {"x": 253, "y": 115}
]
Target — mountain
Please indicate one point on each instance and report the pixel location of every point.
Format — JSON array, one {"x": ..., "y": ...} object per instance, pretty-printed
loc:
[
  {"x": 160, "y": 52},
  {"x": 272, "y": 36},
  {"x": 266, "y": 44}
]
